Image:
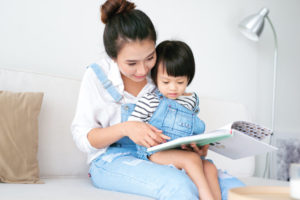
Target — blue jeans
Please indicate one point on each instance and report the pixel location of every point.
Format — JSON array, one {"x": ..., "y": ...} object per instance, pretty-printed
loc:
[{"x": 120, "y": 170}]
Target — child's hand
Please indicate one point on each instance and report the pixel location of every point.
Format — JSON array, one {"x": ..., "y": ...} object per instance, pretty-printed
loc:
[{"x": 202, "y": 150}]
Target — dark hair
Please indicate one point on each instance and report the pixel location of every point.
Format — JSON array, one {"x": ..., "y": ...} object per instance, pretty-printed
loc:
[
  {"x": 177, "y": 58},
  {"x": 124, "y": 23}
]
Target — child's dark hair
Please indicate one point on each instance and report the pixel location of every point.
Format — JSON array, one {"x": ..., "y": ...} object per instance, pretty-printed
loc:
[
  {"x": 124, "y": 23},
  {"x": 177, "y": 58}
]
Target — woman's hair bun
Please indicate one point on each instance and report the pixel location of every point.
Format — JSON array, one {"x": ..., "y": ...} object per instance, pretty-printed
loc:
[{"x": 112, "y": 7}]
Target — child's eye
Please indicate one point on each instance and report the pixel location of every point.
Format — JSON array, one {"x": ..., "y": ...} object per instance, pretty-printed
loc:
[
  {"x": 180, "y": 82},
  {"x": 165, "y": 82}
]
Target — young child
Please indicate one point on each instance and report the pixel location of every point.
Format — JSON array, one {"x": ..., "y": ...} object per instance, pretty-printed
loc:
[{"x": 174, "y": 111}]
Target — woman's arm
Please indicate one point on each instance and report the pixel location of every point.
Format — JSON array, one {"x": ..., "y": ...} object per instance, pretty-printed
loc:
[
  {"x": 140, "y": 133},
  {"x": 87, "y": 130},
  {"x": 103, "y": 137}
]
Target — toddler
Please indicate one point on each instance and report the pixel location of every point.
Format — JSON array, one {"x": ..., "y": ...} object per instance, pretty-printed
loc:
[{"x": 174, "y": 111}]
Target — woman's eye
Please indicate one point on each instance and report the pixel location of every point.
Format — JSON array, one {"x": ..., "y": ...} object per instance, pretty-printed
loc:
[
  {"x": 150, "y": 58},
  {"x": 131, "y": 64}
]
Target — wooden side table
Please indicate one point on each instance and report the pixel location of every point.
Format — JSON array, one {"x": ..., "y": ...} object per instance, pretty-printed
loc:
[{"x": 260, "y": 193}]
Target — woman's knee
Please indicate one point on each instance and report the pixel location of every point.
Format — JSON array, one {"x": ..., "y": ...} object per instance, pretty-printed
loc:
[{"x": 179, "y": 186}]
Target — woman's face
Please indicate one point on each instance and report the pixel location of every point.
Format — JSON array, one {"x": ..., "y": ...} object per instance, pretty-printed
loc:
[{"x": 136, "y": 59}]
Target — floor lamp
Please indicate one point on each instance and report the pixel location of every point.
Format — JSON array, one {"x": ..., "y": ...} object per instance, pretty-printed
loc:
[{"x": 252, "y": 27}]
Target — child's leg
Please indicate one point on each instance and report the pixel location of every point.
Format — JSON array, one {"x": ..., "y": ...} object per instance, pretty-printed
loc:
[
  {"x": 211, "y": 174},
  {"x": 191, "y": 163}
]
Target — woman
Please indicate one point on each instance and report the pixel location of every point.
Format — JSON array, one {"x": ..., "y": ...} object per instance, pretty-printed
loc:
[{"x": 108, "y": 93}]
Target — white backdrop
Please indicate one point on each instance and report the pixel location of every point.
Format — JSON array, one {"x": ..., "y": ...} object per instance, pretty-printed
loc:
[{"x": 62, "y": 37}]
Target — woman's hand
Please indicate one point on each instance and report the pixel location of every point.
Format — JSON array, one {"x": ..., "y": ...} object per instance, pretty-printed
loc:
[
  {"x": 144, "y": 134},
  {"x": 201, "y": 151}
]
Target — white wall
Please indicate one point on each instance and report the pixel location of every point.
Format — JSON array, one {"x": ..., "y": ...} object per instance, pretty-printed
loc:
[{"x": 62, "y": 37}]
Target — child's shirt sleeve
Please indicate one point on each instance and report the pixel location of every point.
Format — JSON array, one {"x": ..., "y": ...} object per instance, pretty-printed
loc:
[{"x": 145, "y": 108}]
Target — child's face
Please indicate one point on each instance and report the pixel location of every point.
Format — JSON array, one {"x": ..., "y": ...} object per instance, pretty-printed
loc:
[{"x": 170, "y": 86}]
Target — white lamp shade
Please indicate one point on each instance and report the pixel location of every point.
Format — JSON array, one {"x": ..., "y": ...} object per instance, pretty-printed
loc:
[{"x": 252, "y": 26}]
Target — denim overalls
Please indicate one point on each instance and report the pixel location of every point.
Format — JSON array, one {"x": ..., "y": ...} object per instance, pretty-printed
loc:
[
  {"x": 119, "y": 169},
  {"x": 175, "y": 120},
  {"x": 126, "y": 109}
]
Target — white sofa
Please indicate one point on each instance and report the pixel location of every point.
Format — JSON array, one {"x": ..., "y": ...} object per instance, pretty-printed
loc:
[{"x": 63, "y": 167}]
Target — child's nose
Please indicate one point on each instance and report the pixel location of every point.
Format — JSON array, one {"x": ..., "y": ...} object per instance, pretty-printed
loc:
[{"x": 173, "y": 86}]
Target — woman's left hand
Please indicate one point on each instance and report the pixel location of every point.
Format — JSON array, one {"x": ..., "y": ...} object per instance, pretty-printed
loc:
[{"x": 202, "y": 150}]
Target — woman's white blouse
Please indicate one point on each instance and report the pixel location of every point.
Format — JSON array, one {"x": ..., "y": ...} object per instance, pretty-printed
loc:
[{"x": 96, "y": 108}]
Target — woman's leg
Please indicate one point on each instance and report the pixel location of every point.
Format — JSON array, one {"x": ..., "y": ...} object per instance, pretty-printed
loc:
[
  {"x": 228, "y": 182},
  {"x": 191, "y": 163},
  {"x": 211, "y": 174},
  {"x": 120, "y": 170}
]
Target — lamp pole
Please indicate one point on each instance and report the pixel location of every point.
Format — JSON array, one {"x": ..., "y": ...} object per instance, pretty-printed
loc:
[
  {"x": 252, "y": 26},
  {"x": 269, "y": 155}
]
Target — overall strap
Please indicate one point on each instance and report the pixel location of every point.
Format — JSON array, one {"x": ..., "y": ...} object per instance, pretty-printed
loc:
[
  {"x": 157, "y": 92},
  {"x": 107, "y": 84}
]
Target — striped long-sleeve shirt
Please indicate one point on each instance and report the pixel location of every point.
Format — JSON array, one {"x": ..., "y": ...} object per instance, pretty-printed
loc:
[{"x": 147, "y": 105}]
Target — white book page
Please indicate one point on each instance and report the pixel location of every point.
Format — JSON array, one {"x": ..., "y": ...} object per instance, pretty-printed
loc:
[{"x": 240, "y": 146}]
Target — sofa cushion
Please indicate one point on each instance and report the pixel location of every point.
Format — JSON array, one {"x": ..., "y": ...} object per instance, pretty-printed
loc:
[
  {"x": 19, "y": 136},
  {"x": 57, "y": 153}
]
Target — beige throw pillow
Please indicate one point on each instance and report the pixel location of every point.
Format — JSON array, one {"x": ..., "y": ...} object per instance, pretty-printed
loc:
[{"x": 19, "y": 136}]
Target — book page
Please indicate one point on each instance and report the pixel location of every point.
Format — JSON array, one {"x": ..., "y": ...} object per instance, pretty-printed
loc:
[{"x": 201, "y": 139}]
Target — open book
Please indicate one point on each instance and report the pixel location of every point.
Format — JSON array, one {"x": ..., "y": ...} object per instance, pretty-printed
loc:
[{"x": 237, "y": 140}]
